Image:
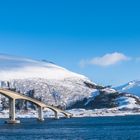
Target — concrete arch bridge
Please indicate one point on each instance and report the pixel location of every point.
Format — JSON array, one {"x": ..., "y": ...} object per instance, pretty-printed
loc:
[{"x": 13, "y": 96}]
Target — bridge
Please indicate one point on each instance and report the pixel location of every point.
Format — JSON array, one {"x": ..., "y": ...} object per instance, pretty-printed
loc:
[{"x": 13, "y": 96}]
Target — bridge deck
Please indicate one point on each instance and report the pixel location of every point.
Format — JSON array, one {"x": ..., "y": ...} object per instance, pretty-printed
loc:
[{"x": 15, "y": 95}]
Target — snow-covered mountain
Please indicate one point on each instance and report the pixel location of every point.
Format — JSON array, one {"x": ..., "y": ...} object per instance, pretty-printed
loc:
[
  {"x": 132, "y": 87},
  {"x": 20, "y": 68},
  {"x": 53, "y": 84},
  {"x": 58, "y": 86},
  {"x": 109, "y": 98}
]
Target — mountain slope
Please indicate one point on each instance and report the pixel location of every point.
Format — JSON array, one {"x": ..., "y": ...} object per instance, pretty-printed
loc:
[
  {"x": 107, "y": 98},
  {"x": 132, "y": 87},
  {"x": 51, "y": 83}
]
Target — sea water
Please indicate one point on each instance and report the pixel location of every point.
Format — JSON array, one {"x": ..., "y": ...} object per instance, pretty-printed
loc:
[{"x": 99, "y": 128}]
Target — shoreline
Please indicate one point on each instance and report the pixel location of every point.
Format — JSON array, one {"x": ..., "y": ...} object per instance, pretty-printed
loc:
[{"x": 77, "y": 113}]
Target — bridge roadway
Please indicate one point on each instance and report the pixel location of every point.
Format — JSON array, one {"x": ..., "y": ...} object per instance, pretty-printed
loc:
[{"x": 13, "y": 96}]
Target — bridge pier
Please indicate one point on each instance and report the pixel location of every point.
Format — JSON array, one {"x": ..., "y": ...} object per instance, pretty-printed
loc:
[
  {"x": 40, "y": 114},
  {"x": 56, "y": 115},
  {"x": 67, "y": 116},
  {"x": 12, "y": 117}
]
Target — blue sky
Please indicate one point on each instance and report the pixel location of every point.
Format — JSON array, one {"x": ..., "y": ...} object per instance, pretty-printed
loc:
[{"x": 74, "y": 31}]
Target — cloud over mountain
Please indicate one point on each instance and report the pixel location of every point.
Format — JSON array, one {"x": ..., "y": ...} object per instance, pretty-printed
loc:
[{"x": 106, "y": 60}]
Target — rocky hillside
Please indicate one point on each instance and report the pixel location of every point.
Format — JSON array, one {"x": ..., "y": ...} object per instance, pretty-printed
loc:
[{"x": 109, "y": 98}]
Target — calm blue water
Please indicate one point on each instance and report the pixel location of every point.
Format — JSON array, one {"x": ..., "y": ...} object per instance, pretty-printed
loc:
[{"x": 102, "y": 128}]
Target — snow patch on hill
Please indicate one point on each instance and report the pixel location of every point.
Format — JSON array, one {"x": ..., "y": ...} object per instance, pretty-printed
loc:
[{"x": 127, "y": 102}]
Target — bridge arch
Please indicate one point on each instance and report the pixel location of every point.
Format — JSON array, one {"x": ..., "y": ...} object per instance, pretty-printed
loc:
[{"x": 13, "y": 96}]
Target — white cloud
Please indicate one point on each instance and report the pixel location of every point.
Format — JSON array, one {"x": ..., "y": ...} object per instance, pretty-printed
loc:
[{"x": 106, "y": 60}]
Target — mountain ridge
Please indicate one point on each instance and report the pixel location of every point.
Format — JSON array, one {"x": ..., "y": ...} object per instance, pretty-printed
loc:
[{"x": 132, "y": 87}]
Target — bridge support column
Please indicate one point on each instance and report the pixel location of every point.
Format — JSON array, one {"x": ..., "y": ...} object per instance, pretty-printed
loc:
[
  {"x": 40, "y": 114},
  {"x": 56, "y": 115},
  {"x": 68, "y": 116},
  {"x": 12, "y": 119},
  {"x": 10, "y": 109}
]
